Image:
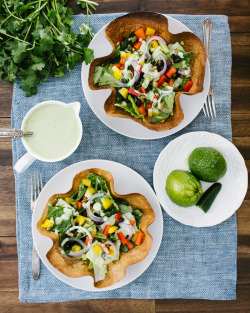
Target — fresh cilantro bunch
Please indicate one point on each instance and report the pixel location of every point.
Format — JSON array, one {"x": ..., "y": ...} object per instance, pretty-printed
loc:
[{"x": 36, "y": 41}]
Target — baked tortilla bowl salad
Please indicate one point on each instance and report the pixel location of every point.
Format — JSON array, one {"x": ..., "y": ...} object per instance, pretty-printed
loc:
[
  {"x": 94, "y": 230},
  {"x": 148, "y": 69}
]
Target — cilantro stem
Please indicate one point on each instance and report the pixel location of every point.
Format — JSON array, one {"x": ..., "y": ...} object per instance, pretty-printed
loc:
[
  {"x": 28, "y": 31},
  {"x": 51, "y": 23},
  {"x": 4, "y": 33},
  {"x": 37, "y": 10},
  {"x": 16, "y": 17}
]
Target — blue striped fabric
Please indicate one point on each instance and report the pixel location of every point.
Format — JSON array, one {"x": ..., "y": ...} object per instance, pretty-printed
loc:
[{"x": 192, "y": 262}]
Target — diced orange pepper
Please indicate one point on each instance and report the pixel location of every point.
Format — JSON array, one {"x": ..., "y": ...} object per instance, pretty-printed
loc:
[
  {"x": 139, "y": 238},
  {"x": 171, "y": 82},
  {"x": 137, "y": 45},
  {"x": 118, "y": 216},
  {"x": 105, "y": 249},
  {"x": 171, "y": 72},
  {"x": 132, "y": 222},
  {"x": 86, "y": 241},
  {"x": 106, "y": 230},
  {"x": 188, "y": 85},
  {"x": 161, "y": 80},
  {"x": 122, "y": 60},
  {"x": 129, "y": 245},
  {"x": 143, "y": 90},
  {"x": 79, "y": 205},
  {"x": 142, "y": 110},
  {"x": 118, "y": 65},
  {"x": 122, "y": 238},
  {"x": 122, "y": 67},
  {"x": 140, "y": 33}
]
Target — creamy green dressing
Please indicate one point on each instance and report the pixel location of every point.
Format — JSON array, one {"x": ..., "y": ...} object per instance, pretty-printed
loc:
[{"x": 56, "y": 131}]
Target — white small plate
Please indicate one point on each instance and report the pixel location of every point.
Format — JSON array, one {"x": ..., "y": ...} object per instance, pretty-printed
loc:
[
  {"x": 125, "y": 181},
  {"x": 234, "y": 183},
  {"x": 191, "y": 105}
]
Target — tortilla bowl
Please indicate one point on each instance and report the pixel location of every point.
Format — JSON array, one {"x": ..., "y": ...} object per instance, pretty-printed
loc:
[
  {"x": 117, "y": 271},
  {"x": 121, "y": 27}
]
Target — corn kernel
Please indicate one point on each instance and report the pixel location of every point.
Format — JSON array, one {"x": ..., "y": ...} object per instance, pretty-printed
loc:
[
  {"x": 128, "y": 55},
  {"x": 124, "y": 92},
  {"x": 89, "y": 192},
  {"x": 86, "y": 182},
  {"x": 47, "y": 224},
  {"x": 123, "y": 54},
  {"x": 164, "y": 84},
  {"x": 112, "y": 229},
  {"x": 106, "y": 203},
  {"x": 80, "y": 220},
  {"x": 93, "y": 232},
  {"x": 150, "y": 31},
  {"x": 134, "y": 237},
  {"x": 76, "y": 248},
  {"x": 154, "y": 44}
]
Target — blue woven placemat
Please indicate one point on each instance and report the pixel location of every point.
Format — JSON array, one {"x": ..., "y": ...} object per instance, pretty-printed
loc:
[{"x": 191, "y": 262}]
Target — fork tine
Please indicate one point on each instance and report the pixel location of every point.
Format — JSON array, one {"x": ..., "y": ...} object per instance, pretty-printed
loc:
[
  {"x": 41, "y": 182},
  {"x": 31, "y": 191},
  {"x": 204, "y": 110},
  {"x": 213, "y": 103},
  {"x": 206, "y": 105},
  {"x": 38, "y": 185},
  {"x": 209, "y": 105},
  {"x": 34, "y": 187}
]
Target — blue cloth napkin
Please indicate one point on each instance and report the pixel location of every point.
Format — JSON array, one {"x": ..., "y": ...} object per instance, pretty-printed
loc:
[{"x": 192, "y": 262}]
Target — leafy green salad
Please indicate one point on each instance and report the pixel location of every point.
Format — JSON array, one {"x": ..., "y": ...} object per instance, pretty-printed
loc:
[
  {"x": 93, "y": 226},
  {"x": 146, "y": 72}
]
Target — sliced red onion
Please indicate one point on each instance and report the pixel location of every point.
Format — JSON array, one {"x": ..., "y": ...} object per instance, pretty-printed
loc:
[
  {"x": 90, "y": 214},
  {"x": 137, "y": 72},
  {"x": 81, "y": 229},
  {"x": 128, "y": 228},
  {"x": 163, "y": 71},
  {"x": 113, "y": 257},
  {"x": 76, "y": 253},
  {"x": 151, "y": 39}
]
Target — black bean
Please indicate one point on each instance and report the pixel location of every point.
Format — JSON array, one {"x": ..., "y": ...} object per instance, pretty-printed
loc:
[
  {"x": 84, "y": 213},
  {"x": 153, "y": 62},
  {"x": 169, "y": 63},
  {"x": 167, "y": 79},
  {"x": 121, "y": 220},
  {"x": 137, "y": 102},
  {"x": 124, "y": 81},
  {"x": 160, "y": 65},
  {"x": 173, "y": 56},
  {"x": 177, "y": 59}
]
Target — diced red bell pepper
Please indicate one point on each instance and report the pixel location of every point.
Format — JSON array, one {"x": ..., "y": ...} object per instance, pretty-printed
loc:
[
  {"x": 142, "y": 110},
  {"x": 171, "y": 72},
  {"x": 148, "y": 106},
  {"x": 139, "y": 238},
  {"x": 105, "y": 249},
  {"x": 171, "y": 82},
  {"x": 188, "y": 86},
  {"x": 122, "y": 60},
  {"x": 140, "y": 33},
  {"x": 118, "y": 65},
  {"x": 122, "y": 67},
  {"x": 133, "y": 92},
  {"x": 137, "y": 45},
  {"x": 122, "y": 238},
  {"x": 86, "y": 241},
  {"x": 143, "y": 90},
  {"x": 106, "y": 230},
  {"x": 161, "y": 80},
  {"x": 79, "y": 205},
  {"x": 132, "y": 222},
  {"x": 129, "y": 245},
  {"x": 118, "y": 216}
]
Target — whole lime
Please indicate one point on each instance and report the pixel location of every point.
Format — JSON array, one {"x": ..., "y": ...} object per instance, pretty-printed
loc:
[
  {"x": 183, "y": 188},
  {"x": 207, "y": 164}
]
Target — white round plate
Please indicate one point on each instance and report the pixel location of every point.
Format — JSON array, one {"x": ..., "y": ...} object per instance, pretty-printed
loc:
[
  {"x": 234, "y": 183},
  {"x": 191, "y": 105},
  {"x": 125, "y": 181}
]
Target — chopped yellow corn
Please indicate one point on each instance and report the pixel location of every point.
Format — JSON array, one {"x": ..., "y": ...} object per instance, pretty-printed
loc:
[
  {"x": 124, "y": 92},
  {"x": 76, "y": 248},
  {"x": 123, "y": 54},
  {"x": 47, "y": 224},
  {"x": 150, "y": 112},
  {"x": 128, "y": 55},
  {"x": 111, "y": 249},
  {"x": 164, "y": 84},
  {"x": 112, "y": 229},
  {"x": 86, "y": 182},
  {"x": 142, "y": 63},
  {"x": 154, "y": 44},
  {"x": 117, "y": 72},
  {"x": 89, "y": 192},
  {"x": 80, "y": 220},
  {"x": 106, "y": 203},
  {"x": 93, "y": 232},
  {"x": 150, "y": 31},
  {"x": 97, "y": 249}
]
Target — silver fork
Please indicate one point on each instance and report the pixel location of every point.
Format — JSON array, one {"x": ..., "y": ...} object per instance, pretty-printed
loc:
[
  {"x": 209, "y": 105},
  {"x": 36, "y": 187}
]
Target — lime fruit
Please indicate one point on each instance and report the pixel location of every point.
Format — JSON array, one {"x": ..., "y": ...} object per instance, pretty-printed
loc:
[
  {"x": 183, "y": 188},
  {"x": 207, "y": 164}
]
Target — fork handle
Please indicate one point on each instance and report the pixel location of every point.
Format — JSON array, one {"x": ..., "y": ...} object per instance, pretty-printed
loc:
[
  {"x": 207, "y": 29},
  {"x": 35, "y": 264}
]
